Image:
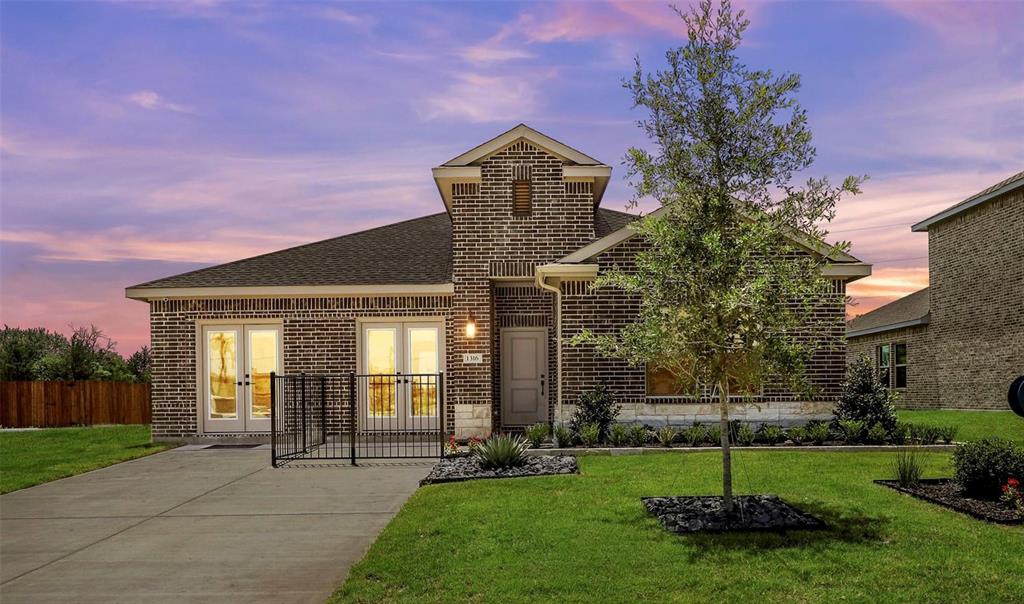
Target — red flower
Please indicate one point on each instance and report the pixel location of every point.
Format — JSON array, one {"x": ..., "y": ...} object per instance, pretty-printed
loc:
[{"x": 1013, "y": 482}]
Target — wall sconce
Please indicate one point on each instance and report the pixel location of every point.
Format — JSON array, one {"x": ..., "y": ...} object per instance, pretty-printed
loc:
[{"x": 470, "y": 326}]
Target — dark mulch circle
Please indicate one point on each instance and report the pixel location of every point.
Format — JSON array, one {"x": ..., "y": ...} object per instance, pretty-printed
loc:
[
  {"x": 457, "y": 469},
  {"x": 946, "y": 492},
  {"x": 750, "y": 513}
]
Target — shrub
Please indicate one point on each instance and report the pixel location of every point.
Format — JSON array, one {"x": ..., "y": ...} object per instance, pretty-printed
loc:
[
  {"x": 947, "y": 434},
  {"x": 564, "y": 437},
  {"x": 618, "y": 435},
  {"x": 474, "y": 444},
  {"x": 714, "y": 436},
  {"x": 666, "y": 435},
  {"x": 797, "y": 434},
  {"x": 639, "y": 435},
  {"x": 745, "y": 435},
  {"x": 850, "y": 429},
  {"x": 694, "y": 435},
  {"x": 877, "y": 434},
  {"x": 596, "y": 406},
  {"x": 502, "y": 451},
  {"x": 590, "y": 434},
  {"x": 864, "y": 398},
  {"x": 818, "y": 432},
  {"x": 928, "y": 435},
  {"x": 982, "y": 467},
  {"x": 907, "y": 468},
  {"x": 772, "y": 434},
  {"x": 900, "y": 433},
  {"x": 536, "y": 434}
]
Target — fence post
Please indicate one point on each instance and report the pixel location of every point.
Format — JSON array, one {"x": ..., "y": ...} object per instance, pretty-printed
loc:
[
  {"x": 352, "y": 415},
  {"x": 302, "y": 389},
  {"x": 273, "y": 419},
  {"x": 323, "y": 411},
  {"x": 441, "y": 419}
]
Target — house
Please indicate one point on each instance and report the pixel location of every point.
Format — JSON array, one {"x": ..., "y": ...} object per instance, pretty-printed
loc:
[
  {"x": 489, "y": 292},
  {"x": 958, "y": 343}
]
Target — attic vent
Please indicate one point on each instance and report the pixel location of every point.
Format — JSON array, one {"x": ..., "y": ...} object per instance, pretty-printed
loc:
[
  {"x": 464, "y": 188},
  {"x": 520, "y": 145},
  {"x": 522, "y": 202},
  {"x": 579, "y": 188}
]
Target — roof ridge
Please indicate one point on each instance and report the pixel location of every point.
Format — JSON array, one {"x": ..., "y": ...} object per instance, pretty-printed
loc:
[
  {"x": 292, "y": 248},
  {"x": 888, "y": 304}
]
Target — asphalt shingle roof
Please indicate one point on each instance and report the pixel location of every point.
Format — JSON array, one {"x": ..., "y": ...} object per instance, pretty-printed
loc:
[
  {"x": 417, "y": 251},
  {"x": 911, "y": 307}
]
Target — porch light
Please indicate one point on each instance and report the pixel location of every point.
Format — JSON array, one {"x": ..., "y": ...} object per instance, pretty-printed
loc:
[{"x": 470, "y": 327}]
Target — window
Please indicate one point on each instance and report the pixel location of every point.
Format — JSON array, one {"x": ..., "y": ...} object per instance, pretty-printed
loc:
[
  {"x": 662, "y": 382},
  {"x": 900, "y": 363},
  {"x": 521, "y": 201},
  {"x": 892, "y": 364}
]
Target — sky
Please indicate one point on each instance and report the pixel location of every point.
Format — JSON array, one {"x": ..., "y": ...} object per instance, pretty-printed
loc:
[{"x": 142, "y": 139}]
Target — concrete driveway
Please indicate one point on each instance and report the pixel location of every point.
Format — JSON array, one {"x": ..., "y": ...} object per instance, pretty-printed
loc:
[{"x": 193, "y": 525}]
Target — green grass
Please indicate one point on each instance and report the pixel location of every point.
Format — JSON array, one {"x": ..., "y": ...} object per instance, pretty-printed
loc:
[
  {"x": 972, "y": 424},
  {"x": 587, "y": 539},
  {"x": 35, "y": 456}
]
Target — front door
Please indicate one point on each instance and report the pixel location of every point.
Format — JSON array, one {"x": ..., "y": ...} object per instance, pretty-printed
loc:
[
  {"x": 398, "y": 388},
  {"x": 237, "y": 363},
  {"x": 524, "y": 359}
]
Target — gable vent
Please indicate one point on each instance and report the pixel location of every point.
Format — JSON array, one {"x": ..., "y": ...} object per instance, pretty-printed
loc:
[
  {"x": 522, "y": 199},
  {"x": 578, "y": 187}
]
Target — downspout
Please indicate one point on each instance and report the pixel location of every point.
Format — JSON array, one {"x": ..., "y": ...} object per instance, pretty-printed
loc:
[{"x": 542, "y": 283}]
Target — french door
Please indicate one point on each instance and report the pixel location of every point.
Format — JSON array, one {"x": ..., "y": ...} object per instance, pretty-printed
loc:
[
  {"x": 399, "y": 389},
  {"x": 237, "y": 362}
]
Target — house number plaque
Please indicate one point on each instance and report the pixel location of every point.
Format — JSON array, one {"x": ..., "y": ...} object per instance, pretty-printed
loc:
[{"x": 474, "y": 358}]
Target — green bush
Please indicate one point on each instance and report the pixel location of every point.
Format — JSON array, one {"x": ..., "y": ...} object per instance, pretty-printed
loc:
[
  {"x": 947, "y": 434},
  {"x": 590, "y": 434},
  {"x": 694, "y": 435},
  {"x": 639, "y": 435},
  {"x": 536, "y": 434},
  {"x": 745, "y": 435},
  {"x": 982, "y": 467},
  {"x": 907, "y": 468},
  {"x": 666, "y": 435},
  {"x": 900, "y": 434},
  {"x": 618, "y": 435},
  {"x": 864, "y": 398},
  {"x": 502, "y": 451},
  {"x": 772, "y": 434},
  {"x": 714, "y": 436},
  {"x": 877, "y": 434},
  {"x": 928, "y": 435},
  {"x": 850, "y": 430},
  {"x": 797, "y": 434},
  {"x": 818, "y": 432},
  {"x": 596, "y": 406},
  {"x": 564, "y": 437}
]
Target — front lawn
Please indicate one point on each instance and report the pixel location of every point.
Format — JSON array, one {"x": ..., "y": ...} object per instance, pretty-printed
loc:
[
  {"x": 32, "y": 457},
  {"x": 587, "y": 538},
  {"x": 973, "y": 424}
]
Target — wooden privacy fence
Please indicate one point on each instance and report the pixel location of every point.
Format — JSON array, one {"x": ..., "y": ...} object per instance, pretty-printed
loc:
[{"x": 53, "y": 404}]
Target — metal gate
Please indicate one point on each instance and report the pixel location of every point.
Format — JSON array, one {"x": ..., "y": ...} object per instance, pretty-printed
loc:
[{"x": 356, "y": 416}]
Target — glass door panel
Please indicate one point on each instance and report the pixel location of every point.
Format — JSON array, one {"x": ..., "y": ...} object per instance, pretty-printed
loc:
[
  {"x": 422, "y": 344},
  {"x": 263, "y": 345},
  {"x": 222, "y": 388},
  {"x": 381, "y": 362}
]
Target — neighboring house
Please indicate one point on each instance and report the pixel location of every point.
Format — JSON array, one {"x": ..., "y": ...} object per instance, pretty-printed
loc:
[
  {"x": 958, "y": 343},
  {"x": 490, "y": 291}
]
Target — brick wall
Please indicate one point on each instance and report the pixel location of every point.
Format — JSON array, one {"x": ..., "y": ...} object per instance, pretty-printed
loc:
[
  {"x": 319, "y": 336},
  {"x": 976, "y": 275},
  {"x": 489, "y": 242},
  {"x": 523, "y": 305},
  {"x": 920, "y": 392}
]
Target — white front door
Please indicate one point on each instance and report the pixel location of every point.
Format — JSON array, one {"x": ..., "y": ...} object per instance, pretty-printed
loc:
[
  {"x": 237, "y": 362},
  {"x": 398, "y": 388}
]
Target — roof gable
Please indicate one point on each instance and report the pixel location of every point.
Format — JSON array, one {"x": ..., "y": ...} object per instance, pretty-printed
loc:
[
  {"x": 1000, "y": 188},
  {"x": 912, "y": 309},
  {"x": 481, "y": 152}
]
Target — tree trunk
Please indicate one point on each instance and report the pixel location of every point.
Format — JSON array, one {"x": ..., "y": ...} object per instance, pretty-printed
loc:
[{"x": 723, "y": 405}]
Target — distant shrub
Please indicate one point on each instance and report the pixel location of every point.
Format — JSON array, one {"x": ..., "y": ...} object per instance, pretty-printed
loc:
[
  {"x": 618, "y": 435},
  {"x": 502, "y": 451},
  {"x": 714, "y": 436},
  {"x": 666, "y": 435},
  {"x": 772, "y": 434},
  {"x": 536, "y": 434},
  {"x": 982, "y": 467},
  {"x": 818, "y": 432},
  {"x": 564, "y": 437},
  {"x": 877, "y": 434},
  {"x": 900, "y": 434},
  {"x": 850, "y": 430},
  {"x": 745, "y": 435},
  {"x": 797, "y": 434},
  {"x": 596, "y": 406},
  {"x": 947, "y": 434},
  {"x": 639, "y": 435},
  {"x": 590, "y": 434},
  {"x": 694, "y": 435},
  {"x": 864, "y": 398},
  {"x": 907, "y": 468}
]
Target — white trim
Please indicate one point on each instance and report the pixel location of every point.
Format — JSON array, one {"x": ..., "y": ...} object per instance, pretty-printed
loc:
[
  {"x": 288, "y": 291},
  {"x": 565, "y": 271},
  {"x": 586, "y": 171},
  {"x": 484, "y": 150},
  {"x": 850, "y": 271},
  {"x": 884, "y": 328},
  {"x": 922, "y": 226}
]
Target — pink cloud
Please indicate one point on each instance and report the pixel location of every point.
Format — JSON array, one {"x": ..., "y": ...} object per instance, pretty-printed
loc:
[{"x": 963, "y": 22}]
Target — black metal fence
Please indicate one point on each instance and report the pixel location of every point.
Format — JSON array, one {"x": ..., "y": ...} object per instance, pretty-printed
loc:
[{"x": 357, "y": 416}]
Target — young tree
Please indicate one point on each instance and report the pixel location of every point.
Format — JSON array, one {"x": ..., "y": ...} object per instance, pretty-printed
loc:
[
  {"x": 726, "y": 297},
  {"x": 865, "y": 398}
]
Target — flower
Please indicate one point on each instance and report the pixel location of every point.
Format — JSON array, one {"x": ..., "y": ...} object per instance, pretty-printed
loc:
[{"x": 1013, "y": 483}]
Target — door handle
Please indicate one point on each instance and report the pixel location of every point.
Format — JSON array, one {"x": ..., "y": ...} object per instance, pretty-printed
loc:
[{"x": 542, "y": 384}]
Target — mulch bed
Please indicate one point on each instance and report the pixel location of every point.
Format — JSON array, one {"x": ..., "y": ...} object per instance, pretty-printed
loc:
[
  {"x": 750, "y": 513},
  {"x": 945, "y": 492},
  {"x": 457, "y": 469}
]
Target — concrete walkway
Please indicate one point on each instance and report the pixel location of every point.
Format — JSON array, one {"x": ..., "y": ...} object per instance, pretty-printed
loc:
[{"x": 196, "y": 526}]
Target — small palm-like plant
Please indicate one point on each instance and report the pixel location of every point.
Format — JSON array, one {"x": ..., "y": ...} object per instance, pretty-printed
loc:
[
  {"x": 877, "y": 434},
  {"x": 618, "y": 435},
  {"x": 948, "y": 433},
  {"x": 536, "y": 434},
  {"x": 502, "y": 451},
  {"x": 714, "y": 436},
  {"x": 639, "y": 435},
  {"x": 666, "y": 435},
  {"x": 564, "y": 437},
  {"x": 797, "y": 434},
  {"x": 772, "y": 434},
  {"x": 850, "y": 429},
  {"x": 819, "y": 432},
  {"x": 745, "y": 435},
  {"x": 590, "y": 434},
  {"x": 694, "y": 435}
]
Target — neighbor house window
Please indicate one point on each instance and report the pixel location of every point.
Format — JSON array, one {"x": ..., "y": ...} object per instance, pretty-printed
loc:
[
  {"x": 662, "y": 382},
  {"x": 892, "y": 364}
]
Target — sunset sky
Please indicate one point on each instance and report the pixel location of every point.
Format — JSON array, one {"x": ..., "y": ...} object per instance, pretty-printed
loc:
[{"x": 144, "y": 139}]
